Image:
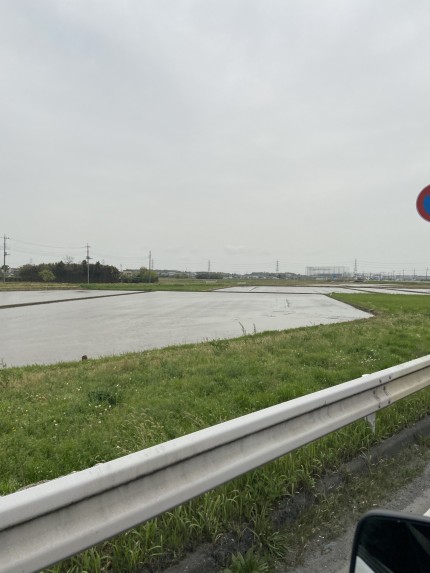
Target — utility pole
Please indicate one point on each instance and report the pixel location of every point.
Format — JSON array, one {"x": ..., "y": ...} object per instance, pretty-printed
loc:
[
  {"x": 277, "y": 267},
  {"x": 4, "y": 257},
  {"x": 209, "y": 266},
  {"x": 88, "y": 263},
  {"x": 149, "y": 268}
]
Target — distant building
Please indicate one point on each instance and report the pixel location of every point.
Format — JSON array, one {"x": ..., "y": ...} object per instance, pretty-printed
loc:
[
  {"x": 328, "y": 273},
  {"x": 129, "y": 272}
]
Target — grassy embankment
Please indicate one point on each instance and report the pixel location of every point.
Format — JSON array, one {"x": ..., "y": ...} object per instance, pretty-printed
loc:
[
  {"x": 66, "y": 417},
  {"x": 23, "y": 286},
  {"x": 164, "y": 284},
  {"x": 204, "y": 285},
  {"x": 193, "y": 285}
]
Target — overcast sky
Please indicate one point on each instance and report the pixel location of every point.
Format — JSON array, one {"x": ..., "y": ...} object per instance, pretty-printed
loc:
[{"x": 248, "y": 133}]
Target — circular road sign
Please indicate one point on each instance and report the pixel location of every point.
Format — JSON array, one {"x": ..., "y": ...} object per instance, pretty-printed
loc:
[{"x": 423, "y": 203}]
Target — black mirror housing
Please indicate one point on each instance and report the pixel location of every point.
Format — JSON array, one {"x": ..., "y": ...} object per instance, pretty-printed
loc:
[{"x": 391, "y": 542}]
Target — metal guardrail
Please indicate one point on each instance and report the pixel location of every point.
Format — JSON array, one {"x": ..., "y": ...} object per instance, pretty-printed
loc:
[{"x": 51, "y": 521}]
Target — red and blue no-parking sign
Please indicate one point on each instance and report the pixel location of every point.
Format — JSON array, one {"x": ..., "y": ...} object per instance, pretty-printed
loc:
[{"x": 423, "y": 203}]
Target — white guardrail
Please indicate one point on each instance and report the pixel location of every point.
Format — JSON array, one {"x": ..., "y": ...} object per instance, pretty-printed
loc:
[{"x": 51, "y": 521}]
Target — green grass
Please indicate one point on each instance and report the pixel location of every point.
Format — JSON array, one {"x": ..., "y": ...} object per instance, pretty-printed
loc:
[
  {"x": 164, "y": 284},
  {"x": 183, "y": 285},
  {"x": 192, "y": 285},
  {"x": 63, "y": 418},
  {"x": 22, "y": 286},
  {"x": 196, "y": 285}
]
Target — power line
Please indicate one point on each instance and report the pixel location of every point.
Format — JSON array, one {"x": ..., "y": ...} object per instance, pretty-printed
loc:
[
  {"x": 45, "y": 246},
  {"x": 257, "y": 262}
]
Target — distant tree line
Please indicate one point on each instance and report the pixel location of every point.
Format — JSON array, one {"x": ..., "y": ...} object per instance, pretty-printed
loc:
[{"x": 69, "y": 272}]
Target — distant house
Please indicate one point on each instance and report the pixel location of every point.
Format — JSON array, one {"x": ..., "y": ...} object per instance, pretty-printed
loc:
[{"x": 130, "y": 272}]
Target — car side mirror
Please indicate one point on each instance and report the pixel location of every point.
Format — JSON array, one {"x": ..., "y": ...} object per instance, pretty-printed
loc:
[{"x": 389, "y": 542}]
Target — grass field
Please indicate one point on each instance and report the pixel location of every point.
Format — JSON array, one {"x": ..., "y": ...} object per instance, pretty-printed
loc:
[
  {"x": 164, "y": 284},
  {"x": 193, "y": 285},
  {"x": 62, "y": 418}
]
